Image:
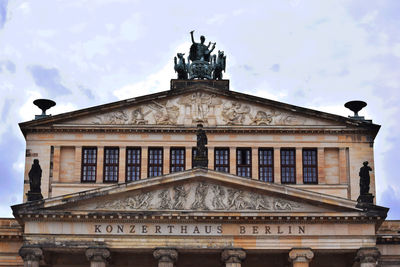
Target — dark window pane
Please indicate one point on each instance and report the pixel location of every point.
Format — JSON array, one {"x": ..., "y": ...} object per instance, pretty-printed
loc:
[
  {"x": 310, "y": 167},
  {"x": 288, "y": 166},
  {"x": 155, "y": 162},
  {"x": 89, "y": 155},
  {"x": 266, "y": 166},
  {"x": 221, "y": 159},
  {"x": 177, "y": 159}
]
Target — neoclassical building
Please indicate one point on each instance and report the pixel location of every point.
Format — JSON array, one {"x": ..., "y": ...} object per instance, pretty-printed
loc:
[{"x": 120, "y": 186}]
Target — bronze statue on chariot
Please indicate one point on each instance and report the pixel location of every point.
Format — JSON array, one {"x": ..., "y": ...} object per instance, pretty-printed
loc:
[{"x": 201, "y": 64}]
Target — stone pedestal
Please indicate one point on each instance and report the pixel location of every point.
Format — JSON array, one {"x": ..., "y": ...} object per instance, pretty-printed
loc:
[
  {"x": 366, "y": 198},
  {"x": 301, "y": 257},
  {"x": 31, "y": 256},
  {"x": 233, "y": 257},
  {"x": 98, "y": 257},
  {"x": 32, "y": 196},
  {"x": 368, "y": 257},
  {"x": 166, "y": 256}
]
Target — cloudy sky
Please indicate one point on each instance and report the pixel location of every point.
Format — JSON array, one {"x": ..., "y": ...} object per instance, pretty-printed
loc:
[{"x": 316, "y": 54}]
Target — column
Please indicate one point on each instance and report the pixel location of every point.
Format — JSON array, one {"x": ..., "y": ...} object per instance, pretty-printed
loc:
[
  {"x": 78, "y": 163},
  {"x": 100, "y": 166},
  {"x": 301, "y": 257},
  {"x": 232, "y": 160},
  {"x": 321, "y": 165},
  {"x": 368, "y": 257},
  {"x": 254, "y": 163},
  {"x": 56, "y": 163},
  {"x": 233, "y": 257},
  {"x": 277, "y": 165},
  {"x": 31, "y": 256},
  {"x": 166, "y": 256},
  {"x": 122, "y": 164},
  {"x": 98, "y": 256},
  {"x": 299, "y": 165},
  {"x": 144, "y": 162}
]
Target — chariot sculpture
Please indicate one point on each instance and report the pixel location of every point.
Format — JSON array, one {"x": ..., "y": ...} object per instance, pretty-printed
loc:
[{"x": 200, "y": 63}]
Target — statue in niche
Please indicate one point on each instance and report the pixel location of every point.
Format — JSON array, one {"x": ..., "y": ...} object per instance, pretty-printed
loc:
[
  {"x": 199, "y": 51},
  {"x": 35, "y": 177},
  {"x": 364, "y": 178}
]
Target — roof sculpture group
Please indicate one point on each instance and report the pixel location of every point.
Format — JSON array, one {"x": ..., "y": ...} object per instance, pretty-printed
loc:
[{"x": 200, "y": 63}]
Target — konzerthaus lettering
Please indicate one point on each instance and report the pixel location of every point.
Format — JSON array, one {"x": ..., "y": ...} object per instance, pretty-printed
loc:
[{"x": 138, "y": 183}]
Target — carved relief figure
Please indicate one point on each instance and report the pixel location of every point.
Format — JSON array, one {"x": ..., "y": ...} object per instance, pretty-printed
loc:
[
  {"x": 165, "y": 199},
  {"x": 180, "y": 197},
  {"x": 117, "y": 117},
  {"x": 282, "y": 205},
  {"x": 201, "y": 105},
  {"x": 138, "y": 116},
  {"x": 236, "y": 200},
  {"x": 200, "y": 197},
  {"x": 259, "y": 202},
  {"x": 164, "y": 114},
  {"x": 261, "y": 118},
  {"x": 234, "y": 113},
  {"x": 218, "y": 199}
]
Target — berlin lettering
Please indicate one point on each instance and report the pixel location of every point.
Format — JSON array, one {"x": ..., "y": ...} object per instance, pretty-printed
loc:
[{"x": 198, "y": 229}]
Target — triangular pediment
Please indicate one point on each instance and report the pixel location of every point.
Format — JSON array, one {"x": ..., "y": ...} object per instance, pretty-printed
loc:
[
  {"x": 193, "y": 105},
  {"x": 192, "y": 192}
]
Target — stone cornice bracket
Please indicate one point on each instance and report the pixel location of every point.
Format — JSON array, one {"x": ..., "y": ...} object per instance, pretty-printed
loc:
[
  {"x": 31, "y": 255},
  {"x": 98, "y": 254},
  {"x": 166, "y": 255},
  {"x": 301, "y": 255},
  {"x": 233, "y": 255},
  {"x": 368, "y": 255}
]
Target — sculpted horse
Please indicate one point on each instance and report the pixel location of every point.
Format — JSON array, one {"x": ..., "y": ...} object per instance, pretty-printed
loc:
[
  {"x": 181, "y": 67},
  {"x": 219, "y": 65}
]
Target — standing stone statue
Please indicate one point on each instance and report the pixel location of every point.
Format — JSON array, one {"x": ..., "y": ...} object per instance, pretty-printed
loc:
[
  {"x": 364, "y": 178},
  {"x": 35, "y": 176},
  {"x": 201, "y": 158},
  {"x": 365, "y": 197}
]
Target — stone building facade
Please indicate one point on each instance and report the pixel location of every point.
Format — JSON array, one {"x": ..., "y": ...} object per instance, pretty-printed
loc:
[{"x": 120, "y": 188}]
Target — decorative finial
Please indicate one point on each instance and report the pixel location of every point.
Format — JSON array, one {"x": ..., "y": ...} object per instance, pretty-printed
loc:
[
  {"x": 43, "y": 104},
  {"x": 356, "y": 106}
]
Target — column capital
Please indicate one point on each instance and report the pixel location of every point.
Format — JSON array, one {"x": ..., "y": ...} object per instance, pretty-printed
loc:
[
  {"x": 31, "y": 253},
  {"x": 301, "y": 255},
  {"x": 368, "y": 255},
  {"x": 233, "y": 255},
  {"x": 166, "y": 255},
  {"x": 95, "y": 254}
]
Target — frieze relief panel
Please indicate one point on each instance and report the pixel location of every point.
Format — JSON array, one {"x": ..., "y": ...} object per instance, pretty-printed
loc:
[
  {"x": 199, "y": 196},
  {"x": 200, "y": 107}
]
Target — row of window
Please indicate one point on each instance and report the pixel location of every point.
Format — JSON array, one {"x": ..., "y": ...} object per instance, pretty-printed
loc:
[{"x": 221, "y": 163}]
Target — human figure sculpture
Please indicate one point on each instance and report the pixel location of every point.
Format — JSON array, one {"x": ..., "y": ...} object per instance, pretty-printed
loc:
[
  {"x": 199, "y": 51},
  {"x": 364, "y": 178},
  {"x": 201, "y": 142},
  {"x": 35, "y": 176}
]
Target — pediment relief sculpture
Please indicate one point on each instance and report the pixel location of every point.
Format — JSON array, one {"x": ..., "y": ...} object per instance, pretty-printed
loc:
[
  {"x": 200, "y": 196},
  {"x": 201, "y": 107}
]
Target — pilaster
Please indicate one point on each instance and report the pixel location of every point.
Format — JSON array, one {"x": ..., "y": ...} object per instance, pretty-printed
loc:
[
  {"x": 299, "y": 165},
  {"x": 122, "y": 164},
  {"x": 277, "y": 165},
  {"x": 232, "y": 160},
  {"x": 56, "y": 164},
  {"x": 166, "y": 160},
  {"x": 188, "y": 158},
  {"x": 233, "y": 257},
  {"x": 144, "y": 162},
  {"x": 254, "y": 163},
  {"x": 210, "y": 158},
  {"x": 99, "y": 166},
  {"x": 321, "y": 165},
  {"x": 78, "y": 163},
  {"x": 301, "y": 257},
  {"x": 166, "y": 256},
  {"x": 98, "y": 257},
  {"x": 342, "y": 166}
]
